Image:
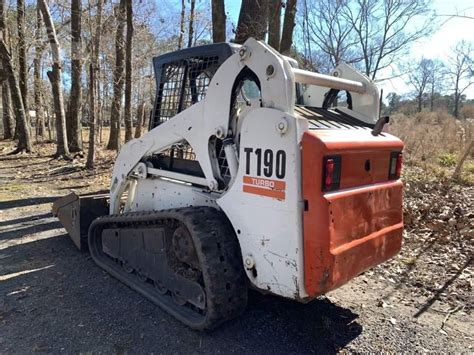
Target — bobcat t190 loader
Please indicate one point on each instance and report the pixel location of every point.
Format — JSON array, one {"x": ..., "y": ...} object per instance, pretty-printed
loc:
[{"x": 251, "y": 175}]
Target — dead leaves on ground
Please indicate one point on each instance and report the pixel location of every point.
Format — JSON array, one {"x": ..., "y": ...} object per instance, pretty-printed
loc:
[{"x": 436, "y": 258}]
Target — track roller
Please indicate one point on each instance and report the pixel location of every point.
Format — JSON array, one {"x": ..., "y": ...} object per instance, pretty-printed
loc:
[{"x": 187, "y": 261}]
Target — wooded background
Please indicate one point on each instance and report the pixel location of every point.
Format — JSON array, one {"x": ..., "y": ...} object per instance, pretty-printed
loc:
[{"x": 72, "y": 69}]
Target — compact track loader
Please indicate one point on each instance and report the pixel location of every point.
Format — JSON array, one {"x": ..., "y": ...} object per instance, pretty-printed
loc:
[{"x": 254, "y": 173}]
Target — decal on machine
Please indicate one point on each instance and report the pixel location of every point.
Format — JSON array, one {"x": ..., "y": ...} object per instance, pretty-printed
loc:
[{"x": 267, "y": 163}]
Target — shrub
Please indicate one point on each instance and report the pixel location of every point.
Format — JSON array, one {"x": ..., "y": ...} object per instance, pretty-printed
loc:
[
  {"x": 447, "y": 159},
  {"x": 469, "y": 166}
]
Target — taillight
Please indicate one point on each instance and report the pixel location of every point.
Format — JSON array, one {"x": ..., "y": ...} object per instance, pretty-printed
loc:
[
  {"x": 331, "y": 173},
  {"x": 396, "y": 162}
]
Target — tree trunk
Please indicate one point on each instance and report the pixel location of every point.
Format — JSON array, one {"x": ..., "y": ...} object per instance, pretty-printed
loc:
[
  {"x": 73, "y": 117},
  {"x": 218, "y": 21},
  {"x": 128, "y": 73},
  {"x": 181, "y": 25},
  {"x": 93, "y": 67},
  {"x": 274, "y": 16},
  {"x": 8, "y": 123},
  {"x": 7, "y": 117},
  {"x": 432, "y": 98},
  {"x": 191, "y": 23},
  {"x": 252, "y": 20},
  {"x": 22, "y": 130},
  {"x": 114, "y": 138},
  {"x": 140, "y": 119},
  {"x": 306, "y": 36},
  {"x": 420, "y": 102},
  {"x": 288, "y": 26},
  {"x": 100, "y": 94},
  {"x": 62, "y": 148},
  {"x": 48, "y": 118},
  {"x": 457, "y": 97},
  {"x": 22, "y": 70},
  {"x": 40, "y": 128},
  {"x": 6, "y": 39}
]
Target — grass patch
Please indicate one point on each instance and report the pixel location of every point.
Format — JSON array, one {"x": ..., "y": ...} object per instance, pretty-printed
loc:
[{"x": 447, "y": 159}]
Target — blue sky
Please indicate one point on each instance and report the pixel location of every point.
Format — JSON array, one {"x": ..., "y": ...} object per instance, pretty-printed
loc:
[{"x": 437, "y": 45}]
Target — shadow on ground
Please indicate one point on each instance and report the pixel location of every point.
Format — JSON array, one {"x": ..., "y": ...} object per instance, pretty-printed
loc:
[
  {"x": 27, "y": 202},
  {"x": 54, "y": 298},
  {"x": 12, "y": 222}
]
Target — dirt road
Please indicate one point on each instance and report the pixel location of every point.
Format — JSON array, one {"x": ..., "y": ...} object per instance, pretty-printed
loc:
[{"x": 54, "y": 299}]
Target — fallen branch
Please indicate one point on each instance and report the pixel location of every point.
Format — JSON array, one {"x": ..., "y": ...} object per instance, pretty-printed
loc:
[
  {"x": 64, "y": 169},
  {"x": 450, "y": 312}
]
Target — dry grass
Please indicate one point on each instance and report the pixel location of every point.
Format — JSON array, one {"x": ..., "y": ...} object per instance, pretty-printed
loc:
[{"x": 435, "y": 141}]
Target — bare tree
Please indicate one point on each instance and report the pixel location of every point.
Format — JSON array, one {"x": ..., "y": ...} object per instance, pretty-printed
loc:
[
  {"x": 288, "y": 27},
  {"x": 218, "y": 21},
  {"x": 114, "y": 138},
  {"x": 393, "y": 102},
  {"x": 385, "y": 29},
  {"x": 55, "y": 75},
  {"x": 191, "y": 23},
  {"x": 93, "y": 68},
  {"x": 22, "y": 129},
  {"x": 436, "y": 80},
  {"x": 274, "y": 23},
  {"x": 252, "y": 20},
  {"x": 73, "y": 118},
  {"x": 40, "y": 125},
  {"x": 419, "y": 77},
  {"x": 462, "y": 71},
  {"x": 128, "y": 73},
  {"x": 330, "y": 32},
  {"x": 22, "y": 70}
]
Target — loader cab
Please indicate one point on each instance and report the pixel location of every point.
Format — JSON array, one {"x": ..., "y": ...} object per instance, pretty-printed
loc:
[{"x": 182, "y": 78}]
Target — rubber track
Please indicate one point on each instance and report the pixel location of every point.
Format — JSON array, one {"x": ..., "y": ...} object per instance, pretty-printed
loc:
[{"x": 218, "y": 251}]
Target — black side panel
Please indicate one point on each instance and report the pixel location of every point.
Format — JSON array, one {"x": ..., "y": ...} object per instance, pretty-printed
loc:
[{"x": 178, "y": 165}]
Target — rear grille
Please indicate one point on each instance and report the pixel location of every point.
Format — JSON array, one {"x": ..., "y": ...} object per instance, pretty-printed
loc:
[{"x": 320, "y": 118}]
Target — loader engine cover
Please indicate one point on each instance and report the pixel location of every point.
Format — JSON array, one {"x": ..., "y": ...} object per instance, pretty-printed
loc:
[{"x": 355, "y": 221}]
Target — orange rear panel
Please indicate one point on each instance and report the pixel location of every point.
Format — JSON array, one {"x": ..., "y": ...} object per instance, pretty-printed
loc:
[{"x": 358, "y": 226}]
